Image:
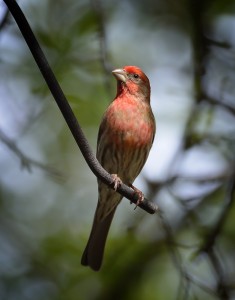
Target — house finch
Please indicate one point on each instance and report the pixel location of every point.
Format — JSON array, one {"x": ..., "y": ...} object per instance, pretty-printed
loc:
[{"x": 125, "y": 138}]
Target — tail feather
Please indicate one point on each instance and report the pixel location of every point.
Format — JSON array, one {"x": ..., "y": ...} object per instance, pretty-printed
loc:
[{"x": 93, "y": 253}]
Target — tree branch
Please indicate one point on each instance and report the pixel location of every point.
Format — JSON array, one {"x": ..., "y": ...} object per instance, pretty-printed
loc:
[
  {"x": 213, "y": 101},
  {"x": 211, "y": 238},
  {"x": 187, "y": 279},
  {"x": 222, "y": 287},
  {"x": 27, "y": 162},
  {"x": 66, "y": 110}
]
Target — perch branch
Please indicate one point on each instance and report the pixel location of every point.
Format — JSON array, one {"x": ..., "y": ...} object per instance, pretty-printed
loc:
[{"x": 66, "y": 110}]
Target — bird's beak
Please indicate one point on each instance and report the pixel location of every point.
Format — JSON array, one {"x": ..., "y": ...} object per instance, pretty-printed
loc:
[{"x": 120, "y": 75}]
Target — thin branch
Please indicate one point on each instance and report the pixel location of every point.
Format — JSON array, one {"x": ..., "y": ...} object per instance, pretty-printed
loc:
[
  {"x": 213, "y": 101},
  {"x": 219, "y": 44},
  {"x": 186, "y": 278},
  {"x": 66, "y": 110},
  {"x": 222, "y": 288},
  {"x": 27, "y": 162},
  {"x": 194, "y": 280},
  {"x": 156, "y": 186},
  {"x": 214, "y": 233},
  {"x": 209, "y": 244},
  {"x": 174, "y": 253}
]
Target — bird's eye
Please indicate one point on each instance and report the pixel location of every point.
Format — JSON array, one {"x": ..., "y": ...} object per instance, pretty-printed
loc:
[{"x": 136, "y": 76}]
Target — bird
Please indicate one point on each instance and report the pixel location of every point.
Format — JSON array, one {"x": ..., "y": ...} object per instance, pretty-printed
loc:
[{"x": 125, "y": 137}]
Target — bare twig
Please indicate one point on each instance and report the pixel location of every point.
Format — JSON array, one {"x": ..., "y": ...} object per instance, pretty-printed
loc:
[
  {"x": 186, "y": 279},
  {"x": 214, "y": 233},
  {"x": 222, "y": 288},
  {"x": 220, "y": 44},
  {"x": 209, "y": 244},
  {"x": 223, "y": 104},
  {"x": 27, "y": 162}
]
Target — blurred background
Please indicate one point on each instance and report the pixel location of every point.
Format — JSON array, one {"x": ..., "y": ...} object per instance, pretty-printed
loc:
[{"x": 48, "y": 194}]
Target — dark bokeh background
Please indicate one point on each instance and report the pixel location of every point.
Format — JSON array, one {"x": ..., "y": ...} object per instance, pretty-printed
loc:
[{"x": 47, "y": 192}]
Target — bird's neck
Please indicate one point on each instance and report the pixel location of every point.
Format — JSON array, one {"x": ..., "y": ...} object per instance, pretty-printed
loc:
[{"x": 132, "y": 91}]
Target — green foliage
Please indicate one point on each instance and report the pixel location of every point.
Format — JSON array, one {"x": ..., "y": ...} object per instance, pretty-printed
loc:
[{"x": 189, "y": 57}]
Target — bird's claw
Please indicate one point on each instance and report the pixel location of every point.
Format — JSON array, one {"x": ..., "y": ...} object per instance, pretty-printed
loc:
[
  {"x": 116, "y": 181},
  {"x": 140, "y": 195}
]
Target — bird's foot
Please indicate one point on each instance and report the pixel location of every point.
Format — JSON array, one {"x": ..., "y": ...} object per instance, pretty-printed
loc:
[
  {"x": 139, "y": 193},
  {"x": 116, "y": 181}
]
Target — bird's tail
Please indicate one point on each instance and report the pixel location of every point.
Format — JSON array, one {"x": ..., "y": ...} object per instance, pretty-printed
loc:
[{"x": 93, "y": 253}]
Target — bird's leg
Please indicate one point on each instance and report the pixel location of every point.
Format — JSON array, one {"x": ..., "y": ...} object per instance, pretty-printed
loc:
[
  {"x": 116, "y": 181},
  {"x": 139, "y": 193}
]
